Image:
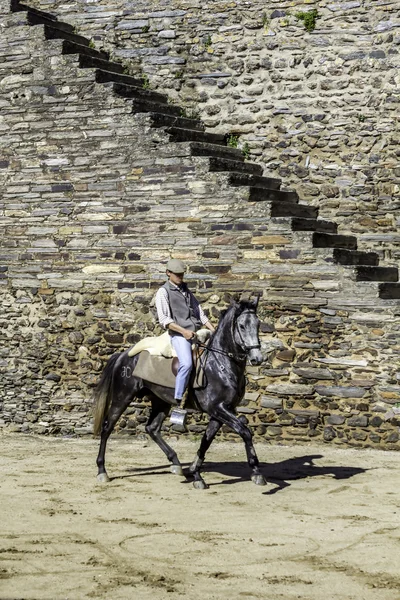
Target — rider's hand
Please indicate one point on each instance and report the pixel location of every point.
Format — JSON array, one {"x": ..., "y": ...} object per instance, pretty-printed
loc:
[{"x": 188, "y": 335}]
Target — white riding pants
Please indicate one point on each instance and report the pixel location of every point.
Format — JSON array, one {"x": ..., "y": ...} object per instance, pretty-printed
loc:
[{"x": 183, "y": 349}]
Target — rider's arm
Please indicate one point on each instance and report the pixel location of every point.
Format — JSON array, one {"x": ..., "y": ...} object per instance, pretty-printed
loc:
[
  {"x": 209, "y": 326},
  {"x": 187, "y": 334},
  {"x": 202, "y": 316},
  {"x": 164, "y": 315},
  {"x": 163, "y": 309}
]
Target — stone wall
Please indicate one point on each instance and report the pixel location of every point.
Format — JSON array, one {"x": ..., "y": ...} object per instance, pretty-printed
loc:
[
  {"x": 316, "y": 108},
  {"x": 95, "y": 198}
]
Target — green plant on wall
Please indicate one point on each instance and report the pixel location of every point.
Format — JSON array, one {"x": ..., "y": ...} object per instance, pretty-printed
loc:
[
  {"x": 232, "y": 140},
  {"x": 208, "y": 41},
  {"x": 92, "y": 45},
  {"x": 265, "y": 20},
  {"x": 309, "y": 19},
  {"x": 246, "y": 150},
  {"x": 190, "y": 113},
  {"x": 145, "y": 28},
  {"x": 145, "y": 81}
]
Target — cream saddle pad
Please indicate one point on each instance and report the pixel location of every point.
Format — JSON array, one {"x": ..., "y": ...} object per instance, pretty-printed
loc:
[
  {"x": 158, "y": 363},
  {"x": 161, "y": 344}
]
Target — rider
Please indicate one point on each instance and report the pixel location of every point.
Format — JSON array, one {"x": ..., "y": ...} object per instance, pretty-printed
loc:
[{"x": 180, "y": 313}]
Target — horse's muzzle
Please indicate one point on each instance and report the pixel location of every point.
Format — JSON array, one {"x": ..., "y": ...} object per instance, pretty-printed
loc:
[{"x": 255, "y": 357}]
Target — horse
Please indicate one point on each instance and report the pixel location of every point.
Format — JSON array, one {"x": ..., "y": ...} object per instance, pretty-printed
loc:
[{"x": 234, "y": 342}]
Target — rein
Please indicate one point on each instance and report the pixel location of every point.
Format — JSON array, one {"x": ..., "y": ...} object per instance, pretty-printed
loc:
[{"x": 235, "y": 357}]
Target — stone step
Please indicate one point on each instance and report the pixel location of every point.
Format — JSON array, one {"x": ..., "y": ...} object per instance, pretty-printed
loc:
[
  {"x": 104, "y": 76},
  {"x": 160, "y": 120},
  {"x": 90, "y": 62},
  {"x": 39, "y": 17},
  {"x": 140, "y": 105},
  {"x": 70, "y": 47},
  {"x": 327, "y": 240},
  {"x": 202, "y": 149},
  {"x": 53, "y": 32},
  {"x": 130, "y": 91},
  {"x": 300, "y": 224},
  {"x": 355, "y": 257},
  {"x": 178, "y": 134},
  {"x": 260, "y": 194},
  {"x": 255, "y": 181},
  {"x": 224, "y": 164},
  {"x": 364, "y": 273},
  {"x": 60, "y": 29},
  {"x": 291, "y": 209},
  {"x": 389, "y": 291}
]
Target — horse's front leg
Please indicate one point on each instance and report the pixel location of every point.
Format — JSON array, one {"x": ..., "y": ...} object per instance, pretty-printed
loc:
[
  {"x": 239, "y": 427},
  {"x": 194, "y": 469}
]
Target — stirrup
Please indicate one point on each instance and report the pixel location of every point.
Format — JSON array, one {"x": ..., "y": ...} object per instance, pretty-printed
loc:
[{"x": 178, "y": 416}]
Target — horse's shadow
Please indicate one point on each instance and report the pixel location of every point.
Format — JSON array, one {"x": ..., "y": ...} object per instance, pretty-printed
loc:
[{"x": 280, "y": 474}]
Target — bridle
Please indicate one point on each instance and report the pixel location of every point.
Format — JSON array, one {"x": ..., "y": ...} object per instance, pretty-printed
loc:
[
  {"x": 243, "y": 345},
  {"x": 235, "y": 357}
]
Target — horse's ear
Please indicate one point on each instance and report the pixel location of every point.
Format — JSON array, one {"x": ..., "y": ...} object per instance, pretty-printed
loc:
[
  {"x": 233, "y": 300},
  {"x": 254, "y": 301},
  {"x": 245, "y": 297}
]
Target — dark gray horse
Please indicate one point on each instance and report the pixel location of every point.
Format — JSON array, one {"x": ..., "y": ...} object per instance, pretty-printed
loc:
[{"x": 234, "y": 342}]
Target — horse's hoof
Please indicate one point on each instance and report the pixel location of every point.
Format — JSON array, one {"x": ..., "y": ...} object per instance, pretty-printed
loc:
[
  {"x": 176, "y": 469},
  {"x": 259, "y": 479},
  {"x": 103, "y": 478},
  {"x": 200, "y": 484}
]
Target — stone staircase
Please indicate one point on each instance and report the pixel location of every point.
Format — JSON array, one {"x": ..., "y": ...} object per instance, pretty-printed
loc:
[{"x": 321, "y": 235}]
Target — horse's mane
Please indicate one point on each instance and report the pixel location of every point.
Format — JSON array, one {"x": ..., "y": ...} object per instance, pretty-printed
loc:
[
  {"x": 232, "y": 312},
  {"x": 237, "y": 308}
]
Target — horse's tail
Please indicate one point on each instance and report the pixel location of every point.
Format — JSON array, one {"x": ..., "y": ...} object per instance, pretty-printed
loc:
[{"x": 102, "y": 396}]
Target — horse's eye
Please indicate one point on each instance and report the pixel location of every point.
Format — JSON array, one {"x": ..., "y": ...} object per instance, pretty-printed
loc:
[{"x": 242, "y": 326}]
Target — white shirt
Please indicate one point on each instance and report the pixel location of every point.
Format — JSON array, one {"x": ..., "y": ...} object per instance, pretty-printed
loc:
[{"x": 164, "y": 310}]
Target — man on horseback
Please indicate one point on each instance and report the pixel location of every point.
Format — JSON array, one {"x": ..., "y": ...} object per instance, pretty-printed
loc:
[
  {"x": 180, "y": 313},
  {"x": 235, "y": 342}
]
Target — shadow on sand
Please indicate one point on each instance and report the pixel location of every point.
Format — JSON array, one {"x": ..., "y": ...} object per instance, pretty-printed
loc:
[{"x": 280, "y": 474}]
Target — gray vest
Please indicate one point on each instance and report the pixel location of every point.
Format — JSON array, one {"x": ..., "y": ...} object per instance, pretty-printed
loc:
[{"x": 182, "y": 310}]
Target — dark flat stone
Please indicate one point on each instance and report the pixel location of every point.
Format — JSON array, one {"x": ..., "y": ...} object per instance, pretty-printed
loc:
[
  {"x": 259, "y": 194},
  {"x": 326, "y": 240},
  {"x": 71, "y": 47},
  {"x": 224, "y": 164},
  {"x": 355, "y": 257},
  {"x": 291, "y": 209},
  {"x": 255, "y": 181},
  {"x": 300, "y": 224},
  {"x": 203, "y": 149},
  {"x": 90, "y": 62},
  {"x": 160, "y": 120},
  {"x": 364, "y": 273},
  {"x": 389, "y": 291},
  {"x": 178, "y": 134}
]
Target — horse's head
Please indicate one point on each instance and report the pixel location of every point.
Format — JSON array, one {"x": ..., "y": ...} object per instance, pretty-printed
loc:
[{"x": 246, "y": 330}]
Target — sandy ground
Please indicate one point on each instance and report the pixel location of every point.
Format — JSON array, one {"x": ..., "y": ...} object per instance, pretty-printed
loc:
[{"x": 326, "y": 527}]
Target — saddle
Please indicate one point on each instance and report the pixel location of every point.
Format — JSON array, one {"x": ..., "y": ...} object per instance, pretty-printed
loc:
[
  {"x": 159, "y": 364},
  {"x": 162, "y": 370}
]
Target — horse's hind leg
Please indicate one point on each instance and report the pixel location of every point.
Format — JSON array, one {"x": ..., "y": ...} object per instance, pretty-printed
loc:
[
  {"x": 159, "y": 410},
  {"x": 210, "y": 433},
  {"x": 109, "y": 422}
]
